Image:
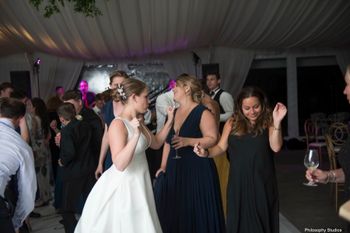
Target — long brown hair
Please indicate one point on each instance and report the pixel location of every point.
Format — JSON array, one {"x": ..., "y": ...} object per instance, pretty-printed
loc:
[{"x": 241, "y": 123}]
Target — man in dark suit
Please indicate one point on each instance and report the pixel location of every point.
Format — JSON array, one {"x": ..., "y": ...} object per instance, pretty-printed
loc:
[
  {"x": 88, "y": 115},
  {"x": 77, "y": 162}
]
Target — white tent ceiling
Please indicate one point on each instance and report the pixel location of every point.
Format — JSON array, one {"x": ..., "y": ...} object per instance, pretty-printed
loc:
[
  {"x": 229, "y": 32},
  {"x": 147, "y": 28}
]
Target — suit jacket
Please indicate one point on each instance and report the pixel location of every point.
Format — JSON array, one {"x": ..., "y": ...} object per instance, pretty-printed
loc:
[
  {"x": 95, "y": 122},
  {"x": 76, "y": 150}
]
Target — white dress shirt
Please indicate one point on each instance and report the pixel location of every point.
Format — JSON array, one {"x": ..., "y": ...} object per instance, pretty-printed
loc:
[
  {"x": 17, "y": 157},
  {"x": 163, "y": 101},
  {"x": 226, "y": 101}
]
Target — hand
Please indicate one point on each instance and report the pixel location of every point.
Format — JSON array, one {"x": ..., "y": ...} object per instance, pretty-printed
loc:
[
  {"x": 53, "y": 125},
  {"x": 178, "y": 142},
  {"x": 170, "y": 113},
  {"x": 159, "y": 171},
  {"x": 141, "y": 118},
  {"x": 60, "y": 163},
  {"x": 317, "y": 175},
  {"x": 58, "y": 139},
  {"x": 279, "y": 112},
  {"x": 200, "y": 151},
  {"x": 135, "y": 123},
  {"x": 99, "y": 171}
]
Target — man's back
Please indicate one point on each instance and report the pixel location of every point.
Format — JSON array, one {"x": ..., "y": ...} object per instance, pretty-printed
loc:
[
  {"x": 17, "y": 159},
  {"x": 163, "y": 101},
  {"x": 76, "y": 149},
  {"x": 95, "y": 122}
]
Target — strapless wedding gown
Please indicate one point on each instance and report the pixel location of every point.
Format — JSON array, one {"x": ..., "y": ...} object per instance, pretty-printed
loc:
[{"x": 122, "y": 202}]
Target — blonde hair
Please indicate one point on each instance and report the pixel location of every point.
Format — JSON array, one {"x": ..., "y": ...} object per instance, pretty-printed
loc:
[
  {"x": 193, "y": 83},
  {"x": 128, "y": 87}
]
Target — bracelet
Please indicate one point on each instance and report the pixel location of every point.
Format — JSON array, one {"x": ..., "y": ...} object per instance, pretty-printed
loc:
[
  {"x": 328, "y": 177},
  {"x": 276, "y": 128},
  {"x": 333, "y": 176}
]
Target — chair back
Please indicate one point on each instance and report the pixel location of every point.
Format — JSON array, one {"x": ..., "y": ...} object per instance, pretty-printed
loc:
[
  {"x": 338, "y": 132},
  {"x": 331, "y": 152},
  {"x": 312, "y": 132}
]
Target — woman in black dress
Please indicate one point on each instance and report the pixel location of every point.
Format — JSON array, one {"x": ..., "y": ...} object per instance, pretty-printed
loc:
[
  {"x": 187, "y": 190},
  {"x": 252, "y": 136}
]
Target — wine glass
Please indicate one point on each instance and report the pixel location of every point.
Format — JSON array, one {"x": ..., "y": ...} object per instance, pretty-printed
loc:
[
  {"x": 176, "y": 154},
  {"x": 311, "y": 161}
]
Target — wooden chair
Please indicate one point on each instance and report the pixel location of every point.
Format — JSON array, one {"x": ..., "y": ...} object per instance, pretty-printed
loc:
[
  {"x": 336, "y": 188},
  {"x": 314, "y": 137},
  {"x": 338, "y": 132}
]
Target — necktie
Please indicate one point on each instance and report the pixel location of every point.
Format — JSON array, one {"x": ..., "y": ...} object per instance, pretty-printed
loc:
[{"x": 212, "y": 93}]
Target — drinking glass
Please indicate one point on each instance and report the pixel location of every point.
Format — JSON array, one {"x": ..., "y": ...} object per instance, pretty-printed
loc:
[
  {"x": 311, "y": 161},
  {"x": 176, "y": 153}
]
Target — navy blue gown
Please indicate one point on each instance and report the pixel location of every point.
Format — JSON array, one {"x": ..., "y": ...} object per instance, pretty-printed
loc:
[
  {"x": 108, "y": 117},
  {"x": 188, "y": 195},
  {"x": 252, "y": 196}
]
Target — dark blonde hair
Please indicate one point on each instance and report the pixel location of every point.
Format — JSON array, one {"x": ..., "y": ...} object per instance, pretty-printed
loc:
[
  {"x": 128, "y": 87},
  {"x": 118, "y": 73},
  {"x": 241, "y": 123},
  {"x": 193, "y": 83}
]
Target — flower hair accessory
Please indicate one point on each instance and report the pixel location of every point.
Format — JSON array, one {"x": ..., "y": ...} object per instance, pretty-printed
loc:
[{"x": 121, "y": 92}]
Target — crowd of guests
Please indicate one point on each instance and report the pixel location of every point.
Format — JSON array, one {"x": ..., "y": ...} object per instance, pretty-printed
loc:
[{"x": 89, "y": 157}]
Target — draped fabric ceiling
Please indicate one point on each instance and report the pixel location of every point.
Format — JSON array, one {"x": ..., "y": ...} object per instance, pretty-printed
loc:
[
  {"x": 139, "y": 28},
  {"x": 228, "y": 32}
]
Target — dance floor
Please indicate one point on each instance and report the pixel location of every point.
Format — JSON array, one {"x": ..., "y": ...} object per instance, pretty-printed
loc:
[
  {"x": 302, "y": 208},
  {"x": 49, "y": 223}
]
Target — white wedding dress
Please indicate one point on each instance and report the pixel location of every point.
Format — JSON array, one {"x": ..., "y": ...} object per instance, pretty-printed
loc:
[{"x": 122, "y": 202}]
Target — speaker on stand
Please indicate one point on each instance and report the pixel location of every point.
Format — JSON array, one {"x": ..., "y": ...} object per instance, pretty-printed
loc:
[{"x": 21, "y": 81}]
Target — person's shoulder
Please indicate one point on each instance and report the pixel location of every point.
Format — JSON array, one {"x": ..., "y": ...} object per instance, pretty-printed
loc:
[
  {"x": 161, "y": 97},
  {"x": 200, "y": 107},
  {"x": 12, "y": 139},
  {"x": 224, "y": 92},
  {"x": 118, "y": 123},
  {"x": 88, "y": 113}
]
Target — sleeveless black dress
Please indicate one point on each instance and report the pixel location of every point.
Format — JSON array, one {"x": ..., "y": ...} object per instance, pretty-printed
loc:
[
  {"x": 252, "y": 195},
  {"x": 188, "y": 196}
]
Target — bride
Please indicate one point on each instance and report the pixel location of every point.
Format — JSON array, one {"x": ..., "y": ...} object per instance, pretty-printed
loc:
[{"x": 122, "y": 199}]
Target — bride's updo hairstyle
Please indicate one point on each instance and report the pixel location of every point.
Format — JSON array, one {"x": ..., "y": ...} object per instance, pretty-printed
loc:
[{"x": 127, "y": 88}]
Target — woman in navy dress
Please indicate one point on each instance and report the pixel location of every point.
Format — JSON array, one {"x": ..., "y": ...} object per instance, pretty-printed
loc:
[
  {"x": 187, "y": 190},
  {"x": 252, "y": 136}
]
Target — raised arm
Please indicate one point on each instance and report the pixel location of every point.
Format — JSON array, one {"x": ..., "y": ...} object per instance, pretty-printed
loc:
[
  {"x": 24, "y": 129},
  {"x": 159, "y": 138},
  {"x": 275, "y": 131}
]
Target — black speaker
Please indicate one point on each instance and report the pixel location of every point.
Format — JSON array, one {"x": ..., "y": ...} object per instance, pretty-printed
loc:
[
  {"x": 21, "y": 81},
  {"x": 212, "y": 68}
]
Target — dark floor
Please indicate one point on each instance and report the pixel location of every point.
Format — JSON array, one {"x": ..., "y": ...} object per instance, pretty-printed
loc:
[{"x": 305, "y": 207}]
